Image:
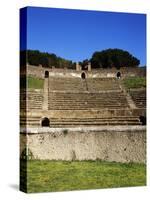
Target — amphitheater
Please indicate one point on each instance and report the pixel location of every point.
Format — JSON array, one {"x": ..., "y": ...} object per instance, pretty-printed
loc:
[{"x": 83, "y": 115}]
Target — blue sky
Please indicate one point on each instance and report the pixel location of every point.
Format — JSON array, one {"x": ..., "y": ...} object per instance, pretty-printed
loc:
[{"x": 77, "y": 34}]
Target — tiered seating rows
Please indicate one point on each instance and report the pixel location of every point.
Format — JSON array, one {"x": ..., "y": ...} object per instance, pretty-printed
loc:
[
  {"x": 32, "y": 99},
  {"x": 96, "y": 84},
  {"x": 85, "y": 101},
  {"x": 139, "y": 97},
  {"x": 72, "y": 122},
  {"x": 78, "y": 84},
  {"x": 65, "y": 84}
]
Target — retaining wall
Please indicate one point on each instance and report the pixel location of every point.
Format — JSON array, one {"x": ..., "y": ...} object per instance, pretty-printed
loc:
[
  {"x": 120, "y": 143},
  {"x": 87, "y": 113},
  {"x": 39, "y": 71}
]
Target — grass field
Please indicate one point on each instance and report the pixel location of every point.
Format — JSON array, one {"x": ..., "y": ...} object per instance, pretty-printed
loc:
[
  {"x": 135, "y": 82},
  {"x": 36, "y": 83},
  {"x": 31, "y": 82},
  {"x": 46, "y": 176}
]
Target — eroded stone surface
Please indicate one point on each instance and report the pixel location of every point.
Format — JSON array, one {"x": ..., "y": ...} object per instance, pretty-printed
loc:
[{"x": 120, "y": 144}]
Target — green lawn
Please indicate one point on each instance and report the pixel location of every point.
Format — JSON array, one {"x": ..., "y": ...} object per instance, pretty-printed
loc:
[
  {"x": 46, "y": 176},
  {"x": 36, "y": 83},
  {"x": 134, "y": 82},
  {"x": 31, "y": 82}
]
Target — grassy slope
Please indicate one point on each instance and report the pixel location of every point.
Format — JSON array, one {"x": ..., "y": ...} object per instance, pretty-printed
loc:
[
  {"x": 134, "y": 82},
  {"x": 44, "y": 176},
  {"x": 32, "y": 82},
  {"x": 35, "y": 83}
]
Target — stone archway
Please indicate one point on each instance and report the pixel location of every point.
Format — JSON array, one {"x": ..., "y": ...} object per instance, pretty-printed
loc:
[
  {"x": 46, "y": 74},
  {"x": 142, "y": 120},
  {"x": 83, "y": 75},
  {"x": 118, "y": 75},
  {"x": 45, "y": 122}
]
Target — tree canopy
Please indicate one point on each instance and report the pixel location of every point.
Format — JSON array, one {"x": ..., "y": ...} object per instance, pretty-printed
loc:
[
  {"x": 100, "y": 59},
  {"x": 35, "y": 57},
  {"x": 113, "y": 58}
]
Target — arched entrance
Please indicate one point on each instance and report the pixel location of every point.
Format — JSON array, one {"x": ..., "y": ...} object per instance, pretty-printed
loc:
[
  {"x": 118, "y": 75},
  {"x": 45, "y": 122},
  {"x": 83, "y": 76},
  {"x": 142, "y": 120},
  {"x": 46, "y": 74}
]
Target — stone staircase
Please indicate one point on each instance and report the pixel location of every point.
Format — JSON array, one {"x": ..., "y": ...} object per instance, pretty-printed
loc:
[
  {"x": 139, "y": 97},
  {"x": 31, "y": 99},
  {"x": 86, "y": 101},
  {"x": 81, "y": 85},
  {"x": 31, "y": 121},
  {"x": 76, "y": 94},
  {"x": 94, "y": 122},
  {"x": 80, "y": 122},
  {"x": 98, "y": 84},
  {"x": 66, "y": 84}
]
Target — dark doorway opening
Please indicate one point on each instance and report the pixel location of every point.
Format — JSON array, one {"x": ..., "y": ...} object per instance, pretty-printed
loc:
[
  {"x": 45, "y": 122},
  {"x": 142, "y": 120},
  {"x": 118, "y": 75},
  {"x": 46, "y": 74},
  {"x": 83, "y": 76}
]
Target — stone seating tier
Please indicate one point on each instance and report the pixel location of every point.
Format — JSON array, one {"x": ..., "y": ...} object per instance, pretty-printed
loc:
[
  {"x": 78, "y": 84},
  {"x": 32, "y": 99},
  {"x": 139, "y": 97},
  {"x": 73, "y": 122},
  {"x": 85, "y": 101},
  {"x": 66, "y": 84},
  {"x": 97, "y": 84}
]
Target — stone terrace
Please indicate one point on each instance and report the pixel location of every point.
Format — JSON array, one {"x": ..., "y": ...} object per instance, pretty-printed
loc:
[
  {"x": 139, "y": 97},
  {"x": 31, "y": 99},
  {"x": 35, "y": 121},
  {"x": 85, "y": 94},
  {"x": 66, "y": 84},
  {"x": 86, "y": 101},
  {"x": 89, "y": 95},
  {"x": 98, "y": 84}
]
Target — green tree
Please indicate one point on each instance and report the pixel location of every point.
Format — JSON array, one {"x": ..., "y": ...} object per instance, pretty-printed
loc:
[
  {"x": 113, "y": 58},
  {"x": 35, "y": 57}
]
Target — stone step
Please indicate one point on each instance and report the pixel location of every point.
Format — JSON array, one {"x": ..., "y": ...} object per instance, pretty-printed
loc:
[
  {"x": 85, "y": 108},
  {"x": 85, "y": 118},
  {"x": 67, "y": 122},
  {"x": 31, "y": 108},
  {"x": 100, "y": 124},
  {"x": 79, "y": 120},
  {"x": 85, "y": 103},
  {"x": 91, "y": 120},
  {"x": 60, "y": 106},
  {"x": 81, "y": 124},
  {"x": 113, "y": 117},
  {"x": 95, "y": 123},
  {"x": 86, "y": 100}
]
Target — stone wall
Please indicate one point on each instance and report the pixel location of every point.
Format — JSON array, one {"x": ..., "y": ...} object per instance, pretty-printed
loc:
[
  {"x": 39, "y": 71},
  {"x": 36, "y": 71},
  {"x": 88, "y": 113},
  {"x": 119, "y": 143}
]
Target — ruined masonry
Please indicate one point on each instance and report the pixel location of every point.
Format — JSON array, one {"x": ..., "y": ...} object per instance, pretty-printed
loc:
[{"x": 83, "y": 115}]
